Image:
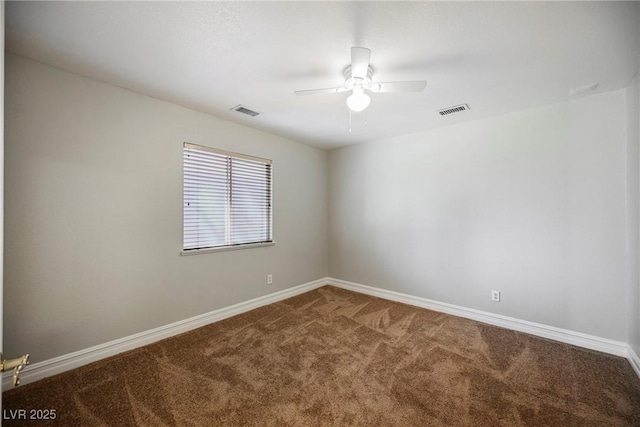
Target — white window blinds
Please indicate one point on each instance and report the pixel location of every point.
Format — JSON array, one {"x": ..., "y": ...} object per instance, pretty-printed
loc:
[{"x": 227, "y": 199}]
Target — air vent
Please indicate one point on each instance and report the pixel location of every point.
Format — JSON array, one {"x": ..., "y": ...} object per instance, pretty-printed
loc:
[
  {"x": 244, "y": 110},
  {"x": 455, "y": 109}
]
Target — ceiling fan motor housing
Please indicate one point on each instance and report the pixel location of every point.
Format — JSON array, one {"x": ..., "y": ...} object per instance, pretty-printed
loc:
[{"x": 351, "y": 82}]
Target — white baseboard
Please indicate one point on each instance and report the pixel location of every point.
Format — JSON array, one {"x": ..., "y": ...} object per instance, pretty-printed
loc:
[
  {"x": 47, "y": 368},
  {"x": 563, "y": 335}
]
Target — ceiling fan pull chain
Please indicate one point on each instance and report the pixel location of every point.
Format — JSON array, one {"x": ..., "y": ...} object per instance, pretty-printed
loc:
[{"x": 349, "y": 120}]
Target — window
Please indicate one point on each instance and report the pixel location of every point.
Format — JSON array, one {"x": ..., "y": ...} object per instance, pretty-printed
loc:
[{"x": 227, "y": 199}]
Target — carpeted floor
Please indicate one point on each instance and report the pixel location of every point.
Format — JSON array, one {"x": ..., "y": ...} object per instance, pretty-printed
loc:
[{"x": 331, "y": 357}]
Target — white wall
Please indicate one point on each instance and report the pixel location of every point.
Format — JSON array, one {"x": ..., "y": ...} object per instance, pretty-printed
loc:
[
  {"x": 94, "y": 214},
  {"x": 633, "y": 138},
  {"x": 633, "y": 209},
  {"x": 530, "y": 203}
]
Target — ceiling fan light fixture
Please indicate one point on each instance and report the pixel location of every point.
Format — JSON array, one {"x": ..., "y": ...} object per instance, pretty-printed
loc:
[
  {"x": 359, "y": 100},
  {"x": 358, "y": 78}
]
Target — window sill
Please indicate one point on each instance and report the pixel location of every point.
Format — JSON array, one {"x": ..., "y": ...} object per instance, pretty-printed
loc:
[{"x": 226, "y": 248}]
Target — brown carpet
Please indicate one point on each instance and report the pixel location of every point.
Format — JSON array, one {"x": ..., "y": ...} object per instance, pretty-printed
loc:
[{"x": 331, "y": 357}]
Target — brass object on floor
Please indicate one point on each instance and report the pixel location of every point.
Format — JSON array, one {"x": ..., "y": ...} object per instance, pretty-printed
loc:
[{"x": 16, "y": 364}]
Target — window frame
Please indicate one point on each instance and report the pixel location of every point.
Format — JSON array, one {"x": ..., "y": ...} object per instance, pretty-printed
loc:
[{"x": 236, "y": 246}]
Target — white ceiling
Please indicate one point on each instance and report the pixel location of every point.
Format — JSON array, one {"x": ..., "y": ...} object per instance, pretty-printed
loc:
[{"x": 210, "y": 56}]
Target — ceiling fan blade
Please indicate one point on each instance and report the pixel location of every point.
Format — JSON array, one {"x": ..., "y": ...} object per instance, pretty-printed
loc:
[
  {"x": 320, "y": 91},
  {"x": 360, "y": 57},
  {"x": 414, "y": 86}
]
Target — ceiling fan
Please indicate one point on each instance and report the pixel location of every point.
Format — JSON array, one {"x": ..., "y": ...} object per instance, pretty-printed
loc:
[{"x": 358, "y": 79}]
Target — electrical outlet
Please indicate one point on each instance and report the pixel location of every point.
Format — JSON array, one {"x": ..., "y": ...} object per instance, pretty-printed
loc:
[
  {"x": 495, "y": 296},
  {"x": 269, "y": 279}
]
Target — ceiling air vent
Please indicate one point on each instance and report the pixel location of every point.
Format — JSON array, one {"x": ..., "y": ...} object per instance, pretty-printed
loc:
[
  {"x": 244, "y": 110},
  {"x": 455, "y": 109}
]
